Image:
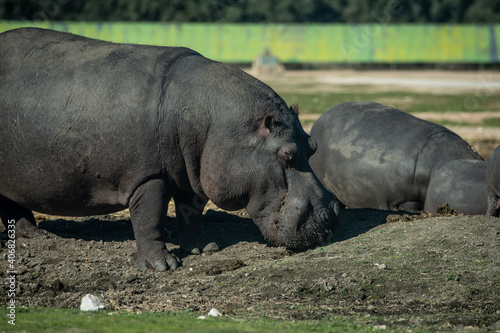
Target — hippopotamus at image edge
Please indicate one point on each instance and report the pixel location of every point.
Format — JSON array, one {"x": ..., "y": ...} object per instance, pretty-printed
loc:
[
  {"x": 93, "y": 127},
  {"x": 375, "y": 156},
  {"x": 493, "y": 183}
]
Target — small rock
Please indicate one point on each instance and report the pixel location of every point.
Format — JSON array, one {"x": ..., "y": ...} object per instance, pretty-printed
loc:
[
  {"x": 91, "y": 303},
  {"x": 380, "y": 327},
  {"x": 382, "y": 266},
  {"x": 214, "y": 313},
  {"x": 201, "y": 317}
]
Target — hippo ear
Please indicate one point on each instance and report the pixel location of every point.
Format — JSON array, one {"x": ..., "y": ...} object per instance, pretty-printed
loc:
[
  {"x": 313, "y": 144},
  {"x": 267, "y": 125}
]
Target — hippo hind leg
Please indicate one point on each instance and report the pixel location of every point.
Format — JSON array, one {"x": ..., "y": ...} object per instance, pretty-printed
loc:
[
  {"x": 188, "y": 211},
  {"x": 493, "y": 205},
  {"x": 22, "y": 218}
]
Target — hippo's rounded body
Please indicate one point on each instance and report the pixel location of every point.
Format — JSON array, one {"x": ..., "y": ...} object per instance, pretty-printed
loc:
[
  {"x": 375, "y": 156},
  {"x": 91, "y": 127}
]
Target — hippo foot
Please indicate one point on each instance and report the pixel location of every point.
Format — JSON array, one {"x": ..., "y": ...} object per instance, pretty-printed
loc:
[
  {"x": 199, "y": 247},
  {"x": 25, "y": 229},
  {"x": 38, "y": 233},
  {"x": 158, "y": 260}
]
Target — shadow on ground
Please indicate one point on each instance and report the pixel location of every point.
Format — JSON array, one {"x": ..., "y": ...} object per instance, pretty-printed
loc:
[{"x": 225, "y": 228}]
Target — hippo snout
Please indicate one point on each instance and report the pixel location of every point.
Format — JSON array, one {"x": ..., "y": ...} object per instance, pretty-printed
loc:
[{"x": 304, "y": 224}]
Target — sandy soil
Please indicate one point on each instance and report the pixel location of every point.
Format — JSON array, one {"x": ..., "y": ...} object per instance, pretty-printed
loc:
[{"x": 432, "y": 81}]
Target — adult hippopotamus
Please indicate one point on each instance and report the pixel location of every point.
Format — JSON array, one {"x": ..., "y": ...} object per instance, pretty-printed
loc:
[
  {"x": 375, "y": 156},
  {"x": 493, "y": 183},
  {"x": 92, "y": 127}
]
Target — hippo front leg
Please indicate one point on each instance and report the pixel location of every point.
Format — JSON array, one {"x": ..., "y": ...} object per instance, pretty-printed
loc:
[
  {"x": 148, "y": 208},
  {"x": 188, "y": 211}
]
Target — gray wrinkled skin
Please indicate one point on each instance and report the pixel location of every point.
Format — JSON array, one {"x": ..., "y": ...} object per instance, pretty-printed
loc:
[
  {"x": 493, "y": 182},
  {"x": 374, "y": 156},
  {"x": 91, "y": 127}
]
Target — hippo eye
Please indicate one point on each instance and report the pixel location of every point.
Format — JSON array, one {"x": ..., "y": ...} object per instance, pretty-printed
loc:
[{"x": 287, "y": 154}]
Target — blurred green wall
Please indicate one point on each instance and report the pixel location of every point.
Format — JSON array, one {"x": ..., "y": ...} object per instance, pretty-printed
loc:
[{"x": 304, "y": 43}]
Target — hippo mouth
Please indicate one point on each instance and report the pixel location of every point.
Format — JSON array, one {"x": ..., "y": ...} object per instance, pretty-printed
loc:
[
  {"x": 300, "y": 231},
  {"x": 310, "y": 231}
]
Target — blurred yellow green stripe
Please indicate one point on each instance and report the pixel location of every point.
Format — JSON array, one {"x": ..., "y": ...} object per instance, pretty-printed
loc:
[{"x": 303, "y": 43}]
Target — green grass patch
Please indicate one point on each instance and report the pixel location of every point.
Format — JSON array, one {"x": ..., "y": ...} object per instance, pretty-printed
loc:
[
  {"x": 69, "y": 320},
  {"x": 491, "y": 122},
  {"x": 314, "y": 103},
  {"x": 488, "y": 122}
]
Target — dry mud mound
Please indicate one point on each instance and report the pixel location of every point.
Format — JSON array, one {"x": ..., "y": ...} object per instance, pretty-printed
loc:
[{"x": 417, "y": 271}]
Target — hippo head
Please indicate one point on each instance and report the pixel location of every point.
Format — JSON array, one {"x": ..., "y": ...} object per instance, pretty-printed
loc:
[{"x": 260, "y": 161}]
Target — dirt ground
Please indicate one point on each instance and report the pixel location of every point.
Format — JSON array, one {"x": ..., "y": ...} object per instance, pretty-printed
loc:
[{"x": 383, "y": 268}]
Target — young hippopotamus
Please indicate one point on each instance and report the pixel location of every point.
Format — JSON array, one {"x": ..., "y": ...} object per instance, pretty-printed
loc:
[
  {"x": 92, "y": 127},
  {"x": 375, "y": 156},
  {"x": 493, "y": 182}
]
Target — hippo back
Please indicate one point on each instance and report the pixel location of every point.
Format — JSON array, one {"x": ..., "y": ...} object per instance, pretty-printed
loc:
[
  {"x": 373, "y": 155},
  {"x": 82, "y": 101}
]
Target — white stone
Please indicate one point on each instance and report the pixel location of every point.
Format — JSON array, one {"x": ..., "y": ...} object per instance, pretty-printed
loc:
[
  {"x": 214, "y": 313},
  {"x": 91, "y": 303},
  {"x": 380, "y": 327}
]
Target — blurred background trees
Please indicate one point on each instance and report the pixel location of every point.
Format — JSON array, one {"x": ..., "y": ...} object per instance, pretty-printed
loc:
[{"x": 257, "y": 11}]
